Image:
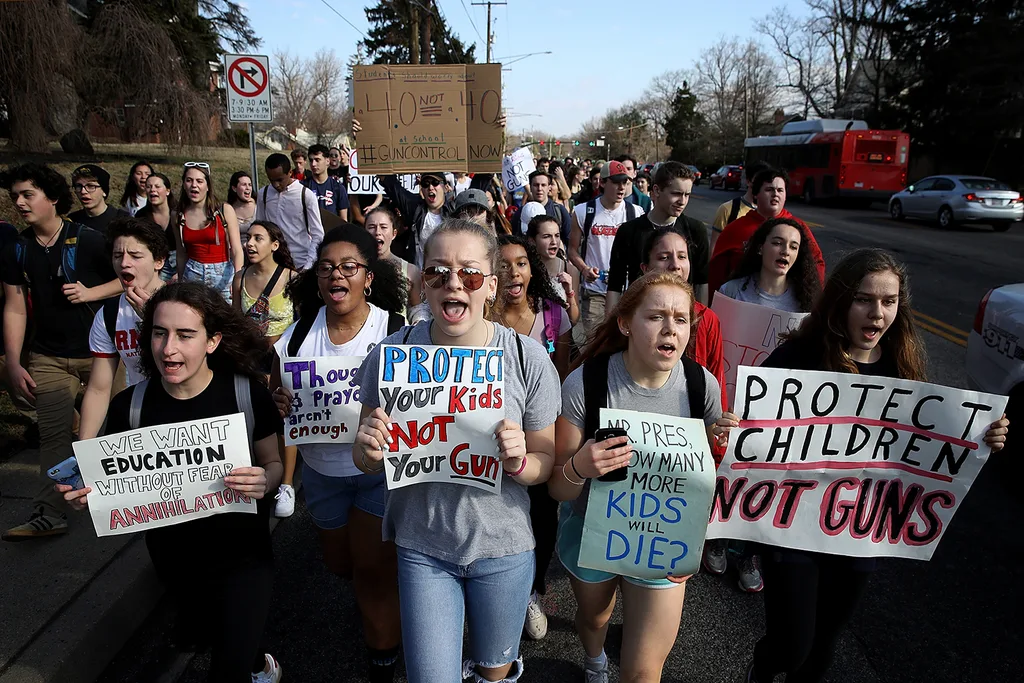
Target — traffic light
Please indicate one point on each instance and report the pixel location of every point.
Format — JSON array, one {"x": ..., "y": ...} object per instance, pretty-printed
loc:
[
  {"x": 591, "y": 143},
  {"x": 541, "y": 143},
  {"x": 558, "y": 142},
  {"x": 575, "y": 143}
]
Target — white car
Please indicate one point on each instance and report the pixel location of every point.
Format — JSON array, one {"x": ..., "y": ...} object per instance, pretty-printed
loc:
[{"x": 995, "y": 350}]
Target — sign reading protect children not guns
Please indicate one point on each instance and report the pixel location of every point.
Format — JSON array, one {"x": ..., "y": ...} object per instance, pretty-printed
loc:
[{"x": 429, "y": 118}]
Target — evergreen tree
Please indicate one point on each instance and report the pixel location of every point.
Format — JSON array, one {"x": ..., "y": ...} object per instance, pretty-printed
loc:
[
  {"x": 389, "y": 37},
  {"x": 684, "y": 125}
]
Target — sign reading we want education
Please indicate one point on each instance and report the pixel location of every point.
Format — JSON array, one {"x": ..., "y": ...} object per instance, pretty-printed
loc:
[
  {"x": 444, "y": 403},
  {"x": 163, "y": 475},
  {"x": 849, "y": 464},
  {"x": 418, "y": 118}
]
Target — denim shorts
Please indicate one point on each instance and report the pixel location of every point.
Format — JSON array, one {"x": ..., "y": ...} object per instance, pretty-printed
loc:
[
  {"x": 216, "y": 275},
  {"x": 570, "y": 535},
  {"x": 330, "y": 499}
]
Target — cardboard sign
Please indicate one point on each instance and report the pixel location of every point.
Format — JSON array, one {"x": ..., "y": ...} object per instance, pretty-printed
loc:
[
  {"x": 168, "y": 474},
  {"x": 369, "y": 184},
  {"x": 516, "y": 169},
  {"x": 849, "y": 464},
  {"x": 419, "y": 118},
  {"x": 325, "y": 399},
  {"x": 749, "y": 334},
  {"x": 444, "y": 403},
  {"x": 652, "y": 524}
]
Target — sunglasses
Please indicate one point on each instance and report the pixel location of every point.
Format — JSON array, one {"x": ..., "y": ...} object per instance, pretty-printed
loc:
[
  {"x": 197, "y": 164},
  {"x": 430, "y": 182},
  {"x": 325, "y": 270},
  {"x": 438, "y": 276}
]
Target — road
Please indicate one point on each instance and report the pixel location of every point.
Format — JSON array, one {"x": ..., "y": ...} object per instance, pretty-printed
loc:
[{"x": 955, "y": 618}]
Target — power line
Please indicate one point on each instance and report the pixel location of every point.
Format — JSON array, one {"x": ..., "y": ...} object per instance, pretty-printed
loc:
[
  {"x": 471, "y": 22},
  {"x": 328, "y": 5}
]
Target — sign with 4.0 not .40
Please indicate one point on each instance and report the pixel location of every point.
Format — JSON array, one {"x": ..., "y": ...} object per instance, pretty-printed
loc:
[{"x": 247, "y": 80}]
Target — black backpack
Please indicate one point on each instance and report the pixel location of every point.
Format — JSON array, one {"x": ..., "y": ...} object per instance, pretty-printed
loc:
[
  {"x": 304, "y": 325},
  {"x": 595, "y": 390}
]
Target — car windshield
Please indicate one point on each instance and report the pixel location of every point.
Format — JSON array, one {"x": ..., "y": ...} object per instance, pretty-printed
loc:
[{"x": 983, "y": 184}]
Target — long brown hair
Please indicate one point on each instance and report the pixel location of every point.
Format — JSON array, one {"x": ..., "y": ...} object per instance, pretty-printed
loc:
[
  {"x": 828, "y": 322},
  {"x": 803, "y": 274},
  {"x": 608, "y": 338},
  {"x": 211, "y": 205}
]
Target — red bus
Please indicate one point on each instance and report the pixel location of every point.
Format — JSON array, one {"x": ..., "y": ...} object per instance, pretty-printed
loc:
[{"x": 828, "y": 158}]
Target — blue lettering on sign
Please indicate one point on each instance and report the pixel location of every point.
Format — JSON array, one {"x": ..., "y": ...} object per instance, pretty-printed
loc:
[
  {"x": 447, "y": 366},
  {"x": 618, "y": 547}
]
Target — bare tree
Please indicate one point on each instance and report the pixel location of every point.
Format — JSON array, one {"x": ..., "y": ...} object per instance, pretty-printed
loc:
[
  {"x": 310, "y": 93},
  {"x": 805, "y": 59}
]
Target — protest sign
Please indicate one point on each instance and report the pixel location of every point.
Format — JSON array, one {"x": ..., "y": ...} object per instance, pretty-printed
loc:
[
  {"x": 429, "y": 117},
  {"x": 749, "y": 334},
  {"x": 163, "y": 475},
  {"x": 652, "y": 524},
  {"x": 325, "y": 399},
  {"x": 516, "y": 169},
  {"x": 444, "y": 403},
  {"x": 849, "y": 464},
  {"x": 359, "y": 183}
]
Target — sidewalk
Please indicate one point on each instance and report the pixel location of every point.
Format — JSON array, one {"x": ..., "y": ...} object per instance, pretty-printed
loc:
[{"x": 69, "y": 602}]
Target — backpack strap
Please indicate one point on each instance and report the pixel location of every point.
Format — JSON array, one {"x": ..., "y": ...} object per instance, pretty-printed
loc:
[
  {"x": 696, "y": 386},
  {"x": 408, "y": 331},
  {"x": 396, "y": 321},
  {"x": 630, "y": 211},
  {"x": 305, "y": 214},
  {"x": 595, "y": 393},
  {"x": 69, "y": 252},
  {"x": 521, "y": 353},
  {"x": 243, "y": 401},
  {"x": 302, "y": 328},
  {"x": 735, "y": 211},
  {"x": 135, "y": 409},
  {"x": 110, "y": 310},
  {"x": 588, "y": 222},
  {"x": 552, "y": 320},
  {"x": 21, "y": 253}
]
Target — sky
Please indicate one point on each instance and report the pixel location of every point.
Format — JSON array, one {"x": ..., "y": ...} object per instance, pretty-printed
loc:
[{"x": 598, "y": 61}]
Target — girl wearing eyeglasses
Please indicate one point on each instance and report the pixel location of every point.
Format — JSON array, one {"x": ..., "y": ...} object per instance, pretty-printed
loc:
[
  {"x": 344, "y": 302},
  {"x": 209, "y": 248},
  {"x": 463, "y": 553}
]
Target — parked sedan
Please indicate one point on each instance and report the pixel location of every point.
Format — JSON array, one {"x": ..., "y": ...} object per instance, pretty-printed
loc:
[
  {"x": 952, "y": 199},
  {"x": 696, "y": 174},
  {"x": 727, "y": 177}
]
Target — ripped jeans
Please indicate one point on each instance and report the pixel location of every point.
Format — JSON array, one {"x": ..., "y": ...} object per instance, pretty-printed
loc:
[{"x": 437, "y": 597}]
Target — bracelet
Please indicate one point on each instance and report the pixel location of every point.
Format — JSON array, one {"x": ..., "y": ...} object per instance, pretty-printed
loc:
[
  {"x": 521, "y": 469},
  {"x": 575, "y": 471},
  {"x": 571, "y": 293},
  {"x": 566, "y": 475},
  {"x": 372, "y": 470}
]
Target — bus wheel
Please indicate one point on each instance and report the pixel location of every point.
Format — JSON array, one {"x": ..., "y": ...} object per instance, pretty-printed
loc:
[
  {"x": 808, "y": 193},
  {"x": 896, "y": 210},
  {"x": 946, "y": 220}
]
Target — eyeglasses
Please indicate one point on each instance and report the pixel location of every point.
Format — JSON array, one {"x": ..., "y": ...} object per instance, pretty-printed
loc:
[
  {"x": 197, "y": 164},
  {"x": 325, "y": 270},
  {"x": 88, "y": 187},
  {"x": 438, "y": 276}
]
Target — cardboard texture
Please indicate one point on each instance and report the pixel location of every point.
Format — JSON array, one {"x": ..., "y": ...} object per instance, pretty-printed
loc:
[{"x": 428, "y": 118}]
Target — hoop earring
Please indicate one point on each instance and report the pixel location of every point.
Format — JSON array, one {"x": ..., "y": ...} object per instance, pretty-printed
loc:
[
  {"x": 367, "y": 291},
  {"x": 423, "y": 297},
  {"x": 319, "y": 295}
]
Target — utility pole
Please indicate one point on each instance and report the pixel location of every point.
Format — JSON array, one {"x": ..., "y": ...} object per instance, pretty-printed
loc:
[
  {"x": 414, "y": 39},
  {"x": 490, "y": 34}
]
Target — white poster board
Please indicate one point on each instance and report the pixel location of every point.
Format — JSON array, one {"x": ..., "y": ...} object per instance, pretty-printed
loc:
[
  {"x": 849, "y": 464},
  {"x": 158, "y": 476},
  {"x": 516, "y": 169},
  {"x": 444, "y": 403},
  {"x": 325, "y": 399},
  {"x": 368, "y": 184}
]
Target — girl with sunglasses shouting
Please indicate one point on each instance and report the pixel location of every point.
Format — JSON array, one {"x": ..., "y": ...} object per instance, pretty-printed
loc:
[
  {"x": 463, "y": 552},
  {"x": 209, "y": 247},
  {"x": 344, "y": 302},
  {"x": 861, "y": 324},
  {"x": 635, "y": 362}
]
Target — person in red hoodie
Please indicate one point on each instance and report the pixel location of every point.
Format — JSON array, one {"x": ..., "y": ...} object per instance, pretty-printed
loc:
[{"x": 769, "y": 190}]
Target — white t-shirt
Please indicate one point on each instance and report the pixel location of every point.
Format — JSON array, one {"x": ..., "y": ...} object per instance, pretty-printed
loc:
[
  {"x": 431, "y": 222},
  {"x": 334, "y": 460},
  {"x": 134, "y": 204},
  {"x": 599, "y": 242},
  {"x": 462, "y": 185},
  {"x": 125, "y": 342}
]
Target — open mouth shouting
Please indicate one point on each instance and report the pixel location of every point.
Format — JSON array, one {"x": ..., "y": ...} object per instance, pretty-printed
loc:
[
  {"x": 782, "y": 263},
  {"x": 667, "y": 350},
  {"x": 454, "y": 310},
  {"x": 127, "y": 277},
  {"x": 516, "y": 290},
  {"x": 172, "y": 368},
  {"x": 338, "y": 292},
  {"x": 872, "y": 333}
]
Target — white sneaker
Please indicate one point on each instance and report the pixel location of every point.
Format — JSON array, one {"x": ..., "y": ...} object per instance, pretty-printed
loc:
[
  {"x": 536, "y": 620},
  {"x": 285, "y": 501},
  {"x": 272, "y": 671}
]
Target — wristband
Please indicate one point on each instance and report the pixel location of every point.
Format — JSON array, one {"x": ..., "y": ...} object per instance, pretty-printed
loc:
[
  {"x": 568, "y": 479},
  {"x": 576, "y": 471},
  {"x": 571, "y": 293},
  {"x": 372, "y": 470},
  {"x": 521, "y": 469}
]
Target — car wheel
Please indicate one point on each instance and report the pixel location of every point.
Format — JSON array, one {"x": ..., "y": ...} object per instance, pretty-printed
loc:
[
  {"x": 946, "y": 220},
  {"x": 1002, "y": 227},
  {"x": 896, "y": 210}
]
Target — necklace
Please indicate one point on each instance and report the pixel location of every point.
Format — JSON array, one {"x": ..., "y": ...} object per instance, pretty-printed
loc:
[
  {"x": 512, "y": 325},
  {"x": 46, "y": 245}
]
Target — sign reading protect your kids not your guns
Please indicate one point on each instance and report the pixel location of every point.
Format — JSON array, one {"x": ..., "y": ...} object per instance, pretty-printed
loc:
[
  {"x": 849, "y": 464},
  {"x": 652, "y": 524},
  {"x": 325, "y": 399},
  {"x": 163, "y": 475},
  {"x": 444, "y": 403}
]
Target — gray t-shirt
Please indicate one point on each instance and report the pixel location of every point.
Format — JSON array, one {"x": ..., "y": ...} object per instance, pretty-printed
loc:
[
  {"x": 625, "y": 394},
  {"x": 745, "y": 289},
  {"x": 459, "y": 524}
]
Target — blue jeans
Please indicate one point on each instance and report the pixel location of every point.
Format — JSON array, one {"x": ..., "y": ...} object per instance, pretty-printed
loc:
[
  {"x": 216, "y": 275},
  {"x": 437, "y": 597}
]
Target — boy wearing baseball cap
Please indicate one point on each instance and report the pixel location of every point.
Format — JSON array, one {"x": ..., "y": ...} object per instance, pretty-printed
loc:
[{"x": 91, "y": 184}]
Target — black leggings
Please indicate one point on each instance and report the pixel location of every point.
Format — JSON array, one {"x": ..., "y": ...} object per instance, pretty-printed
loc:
[
  {"x": 221, "y": 604},
  {"x": 808, "y": 601},
  {"x": 544, "y": 521}
]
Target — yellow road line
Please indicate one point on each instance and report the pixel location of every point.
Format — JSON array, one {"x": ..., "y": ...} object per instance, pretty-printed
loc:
[
  {"x": 959, "y": 341},
  {"x": 938, "y": 323}
]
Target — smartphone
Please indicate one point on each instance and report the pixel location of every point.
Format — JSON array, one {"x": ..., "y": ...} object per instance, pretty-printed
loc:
[
  {"x": 67, "y": 473},
  {"x": 610, "y": 433}
]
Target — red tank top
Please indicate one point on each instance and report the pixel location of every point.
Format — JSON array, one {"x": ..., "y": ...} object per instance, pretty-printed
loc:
[{"x": 206, "y": 245}]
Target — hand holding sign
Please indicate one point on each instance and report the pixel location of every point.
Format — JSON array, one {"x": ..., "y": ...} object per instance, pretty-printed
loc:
[
  {"x": 250, "y": 481},
  {"x": 511, "y": 444},
  {"x": 995, "y": 437},
  {"x": 372, "y": 437},
  {"x": 77, "y": 499}
]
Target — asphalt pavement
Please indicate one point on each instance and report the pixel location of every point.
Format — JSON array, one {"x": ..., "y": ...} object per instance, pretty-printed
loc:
[{"x": 953, "y": 619}]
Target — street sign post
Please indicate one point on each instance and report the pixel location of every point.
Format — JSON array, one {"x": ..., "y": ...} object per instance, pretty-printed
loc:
[{"x": 248, "y": 97}]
